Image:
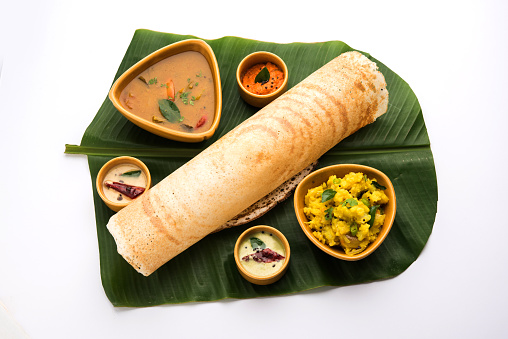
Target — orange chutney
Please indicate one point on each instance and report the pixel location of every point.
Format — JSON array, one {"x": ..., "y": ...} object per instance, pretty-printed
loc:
[{"x": 265, "y": 87}]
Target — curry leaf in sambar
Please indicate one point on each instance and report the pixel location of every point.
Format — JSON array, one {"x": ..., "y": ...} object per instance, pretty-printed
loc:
[{"x": 169, "y": 110}]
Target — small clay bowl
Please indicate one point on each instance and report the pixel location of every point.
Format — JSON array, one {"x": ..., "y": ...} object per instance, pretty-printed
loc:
[
  {"x": 262, "y": 280},
  {"x": 195, "y": 45},
  {"x": 249, "y": 61},
  {"x": 99, "y": 183},
  {"x": 320, "y": 176}
]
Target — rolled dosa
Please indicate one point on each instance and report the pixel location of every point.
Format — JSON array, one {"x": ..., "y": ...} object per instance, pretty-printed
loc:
[{"x": 250, "y": 161}]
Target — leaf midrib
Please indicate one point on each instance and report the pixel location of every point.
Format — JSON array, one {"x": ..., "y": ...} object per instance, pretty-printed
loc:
[{"x": 190, "y": 153}]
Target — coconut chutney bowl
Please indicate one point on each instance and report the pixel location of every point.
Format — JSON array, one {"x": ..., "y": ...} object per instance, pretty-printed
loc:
[
  {"x": 262, "y": 254},
  {"x": 121, "y": 181},
  {"x": 175, "y": 92},
  {"x": 321, "y": 176},
  {"x": 261, "y": 78}
]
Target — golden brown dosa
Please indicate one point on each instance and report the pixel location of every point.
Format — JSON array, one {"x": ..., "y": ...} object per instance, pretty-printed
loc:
[{"x": 250, "y": 161}]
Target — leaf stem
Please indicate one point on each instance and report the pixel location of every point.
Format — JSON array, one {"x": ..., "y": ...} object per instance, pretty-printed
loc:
[{"x": 140, "y": 152}]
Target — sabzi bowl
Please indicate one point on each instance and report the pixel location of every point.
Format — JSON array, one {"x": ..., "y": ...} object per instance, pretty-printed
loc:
[
  {"x": 320, "y": 176},
  {"x": 115, "y": 205},
  {"x": 252, "y": 59},
  {"x": 161, "y": 54},
  {"x": 262, "y": 280}
]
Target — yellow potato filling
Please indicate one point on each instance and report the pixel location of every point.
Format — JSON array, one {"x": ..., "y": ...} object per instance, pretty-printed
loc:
[{"x": 346, "y": 212}]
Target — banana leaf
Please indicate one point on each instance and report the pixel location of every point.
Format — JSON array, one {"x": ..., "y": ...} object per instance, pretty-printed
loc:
[{"x": 397, "y": 144}]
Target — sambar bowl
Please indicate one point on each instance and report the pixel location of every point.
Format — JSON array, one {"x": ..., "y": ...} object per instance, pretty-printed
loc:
[{"x": 157, "y": 126}]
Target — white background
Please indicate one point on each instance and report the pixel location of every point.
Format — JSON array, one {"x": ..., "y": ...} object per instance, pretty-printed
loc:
[{"x": 58, "y": 60}]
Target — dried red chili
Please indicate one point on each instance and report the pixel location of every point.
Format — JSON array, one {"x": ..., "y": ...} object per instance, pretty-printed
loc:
[
  {"x": 201, "y": 121},
  {"x": 128, "y": 190}
]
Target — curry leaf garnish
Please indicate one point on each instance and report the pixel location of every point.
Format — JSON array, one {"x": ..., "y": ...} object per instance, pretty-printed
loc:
[
  {"x": 263, "y": 76},
  {"x": 169, "y": 110},
  {"x": 327, "y": 195},
  {"x": 352, "y": 202},
  {"x": 378, "y": 185},
  {"x": 133, "y": 173},
  {"x": 257, "y": 243},
  {"x": 329, "y": 213},
  {"x": 372, "y": 213}
]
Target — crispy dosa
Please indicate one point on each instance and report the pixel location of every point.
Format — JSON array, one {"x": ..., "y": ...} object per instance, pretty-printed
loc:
[
  {"x": 269, "y": 201},
  {"x": 250, "y": 161}
]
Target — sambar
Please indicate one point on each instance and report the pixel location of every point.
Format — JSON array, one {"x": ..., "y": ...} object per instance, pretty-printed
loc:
[{"x": 176, "y": 92}]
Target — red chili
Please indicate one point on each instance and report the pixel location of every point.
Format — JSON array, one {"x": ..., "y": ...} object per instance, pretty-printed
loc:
[
  {"x": 201, "y": 121},
  {"x": 128, "y": 190},
  {"x": 266, "y": 255}
]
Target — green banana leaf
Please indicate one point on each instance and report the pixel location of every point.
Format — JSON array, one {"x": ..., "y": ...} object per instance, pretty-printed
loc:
[{"x": 397, "y": 144}]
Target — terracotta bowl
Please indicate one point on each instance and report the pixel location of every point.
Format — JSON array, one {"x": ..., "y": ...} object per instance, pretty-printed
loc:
[
  {"x": 161, "y": 54},
  {"x": 265, "y": 280},
  {"x": 249, "y": 61},
  {"x": 320, "y": 176},
  {"x": 116, "y": 205}
]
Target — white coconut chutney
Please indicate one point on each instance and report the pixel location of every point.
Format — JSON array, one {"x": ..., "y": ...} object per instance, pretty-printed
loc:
[
  {"x": 125, "y": 174},
  {"x": 259, "y": 260}
]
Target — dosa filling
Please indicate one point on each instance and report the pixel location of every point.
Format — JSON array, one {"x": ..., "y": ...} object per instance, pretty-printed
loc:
[{"x": 346, "y": 212}]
